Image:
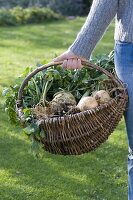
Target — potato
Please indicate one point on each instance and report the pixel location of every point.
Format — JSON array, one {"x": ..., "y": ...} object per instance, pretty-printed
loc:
[
  {"x": 86, "y": 103},
  {"x": 101, "y": 96}
]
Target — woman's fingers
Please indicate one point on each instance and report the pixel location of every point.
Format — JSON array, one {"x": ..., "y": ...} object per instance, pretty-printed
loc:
[
  {"x": 70, "y": 60},
  {"x": 64, "y": 65},
  {"x": 79, "y": 64},
  {"x": 64, "y": 56},
  {"x": 70, "y": 64},
  {"x": 75, "y": 64}
]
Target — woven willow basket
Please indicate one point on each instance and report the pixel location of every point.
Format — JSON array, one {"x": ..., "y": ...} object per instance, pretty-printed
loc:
[{"x": 81, "y": 132}]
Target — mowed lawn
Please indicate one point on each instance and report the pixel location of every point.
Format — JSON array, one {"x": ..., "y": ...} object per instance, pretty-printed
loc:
[{"x": 99, "y": 175}]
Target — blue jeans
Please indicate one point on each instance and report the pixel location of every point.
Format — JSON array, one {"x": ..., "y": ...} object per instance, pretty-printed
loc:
[{"x": 124, "y": 70}]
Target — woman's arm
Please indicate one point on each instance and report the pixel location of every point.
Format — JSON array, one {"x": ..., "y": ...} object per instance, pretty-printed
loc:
[{"x": 101, "y": 14}]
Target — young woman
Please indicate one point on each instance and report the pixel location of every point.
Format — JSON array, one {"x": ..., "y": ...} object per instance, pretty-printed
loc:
[{"x": 101, "y": 14}]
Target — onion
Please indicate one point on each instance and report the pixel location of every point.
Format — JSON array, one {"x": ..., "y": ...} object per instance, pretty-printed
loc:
[
  {"x": 86, "y": 103},
  {"x": 101, "y": 96}
]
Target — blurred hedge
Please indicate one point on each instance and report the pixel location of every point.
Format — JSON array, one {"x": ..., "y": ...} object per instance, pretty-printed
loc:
[
  {"x": 18, "y": 16},
  {"x": 69, "y": 7}
]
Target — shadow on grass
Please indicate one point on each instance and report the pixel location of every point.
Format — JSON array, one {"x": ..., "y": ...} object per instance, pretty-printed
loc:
[{"x": 91, "y": 176}]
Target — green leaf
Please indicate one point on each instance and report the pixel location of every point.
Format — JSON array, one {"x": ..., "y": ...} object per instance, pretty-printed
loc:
[
  {"x": 42, "y": 134},
  {"x": 32, "y": 129},
  {"x": 27, "y": 112},
  {"x": 5, "y": 91},
  {"x": 29, "y": 130},
  {"x": 86, "y": 93},
  {"x": 38, "y": 92},
  {"x": 26, "y": 72},
  {"x": 101, "y": 77}
]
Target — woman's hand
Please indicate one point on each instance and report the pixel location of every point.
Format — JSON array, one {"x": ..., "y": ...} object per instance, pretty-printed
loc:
[{"x": 70, "y": 60}]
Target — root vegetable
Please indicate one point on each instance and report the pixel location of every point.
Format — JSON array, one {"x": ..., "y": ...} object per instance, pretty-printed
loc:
[
  {"x": 101, "y": 96},
  {"x": 86, "y": 103},
  {"x": 62, "y": 102},
  {"x": 64, "y": 97}
]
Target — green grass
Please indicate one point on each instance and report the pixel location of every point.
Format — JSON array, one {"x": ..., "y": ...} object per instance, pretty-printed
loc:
[{"x": 99, "y": 175}]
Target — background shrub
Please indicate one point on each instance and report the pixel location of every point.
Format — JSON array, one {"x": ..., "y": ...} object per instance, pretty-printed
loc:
[
  {"x": 18, "y": 15},
  {"x": 86, "y": 6},
  {"x": 17, "y": 12},
  {"x": 69, "y": 7},
  {"x": 37, "y": 15},
  {"x": 6, "y": 18}
]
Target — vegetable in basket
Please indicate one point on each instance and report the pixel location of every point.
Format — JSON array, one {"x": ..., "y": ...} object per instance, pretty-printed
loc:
[
  {"x": 87, "y": 103},
  {"x": 101, "y": 96},
  {"x": 62, "y": 102}
]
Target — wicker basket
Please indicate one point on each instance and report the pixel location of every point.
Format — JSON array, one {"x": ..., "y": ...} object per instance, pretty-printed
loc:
[{"x": 81, "y": 132}]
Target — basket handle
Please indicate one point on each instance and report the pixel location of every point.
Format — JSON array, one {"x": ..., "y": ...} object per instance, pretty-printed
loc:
[{"x": 84, "y": 63}]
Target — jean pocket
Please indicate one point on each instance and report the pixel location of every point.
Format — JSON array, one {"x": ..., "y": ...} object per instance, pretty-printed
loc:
[{"x": 124, "y": 57}]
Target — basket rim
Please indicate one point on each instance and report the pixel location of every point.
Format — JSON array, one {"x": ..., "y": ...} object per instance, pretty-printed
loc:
[{"x": 82, "y": 113}]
